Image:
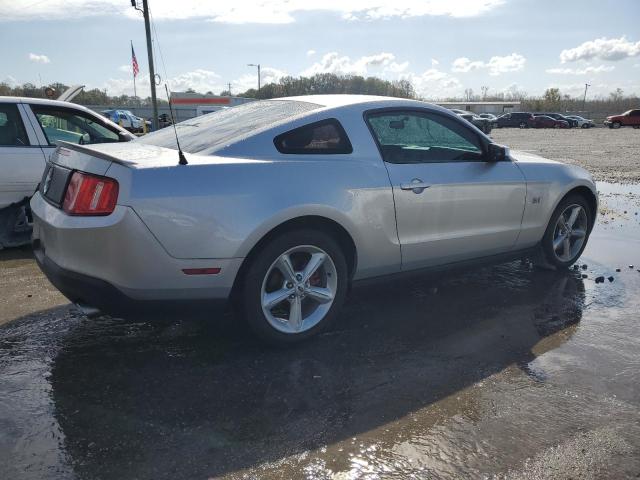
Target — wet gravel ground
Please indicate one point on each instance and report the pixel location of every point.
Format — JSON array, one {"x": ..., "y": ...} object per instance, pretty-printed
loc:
[
  {"x": 502, "y": 372},
  {"x": 610, "y": 155}
]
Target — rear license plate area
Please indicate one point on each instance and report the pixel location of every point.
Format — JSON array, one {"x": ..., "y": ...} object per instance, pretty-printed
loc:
[{"x": 54, "y": 183}]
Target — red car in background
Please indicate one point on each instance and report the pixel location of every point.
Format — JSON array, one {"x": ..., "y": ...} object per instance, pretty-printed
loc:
[
  {"x": 542, "y": 121},
  {"x": 629, "y": 118}
]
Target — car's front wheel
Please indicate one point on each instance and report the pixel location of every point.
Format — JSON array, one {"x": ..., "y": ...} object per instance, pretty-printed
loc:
[
  {"x": 568, "y": 231},
  {"x": 294, "y": 286},
  {"x": 616, "y": 125}
]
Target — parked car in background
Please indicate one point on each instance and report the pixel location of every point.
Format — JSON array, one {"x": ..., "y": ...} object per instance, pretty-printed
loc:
[
  {"x": 630, "y": 118},
  {"x": 483, "y": 124},
  {"x": 128, "y": 120},
  {"x": 491, "y": 117},
  {"x": 559, "y": 116},
  {"x": 515, "y": 119},
  {"x": 30, "y": 129},
  {"x": 164, "y": 120},
  {"x": 544, "y": 121},
  {"x": 282, "y": 204},
  {"x": 582, "y": 122}
]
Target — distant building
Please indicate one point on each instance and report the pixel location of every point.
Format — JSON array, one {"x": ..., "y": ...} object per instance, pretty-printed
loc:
[
  {"x": 196, "y": 104},
  {"x": 497, "y": 108}
]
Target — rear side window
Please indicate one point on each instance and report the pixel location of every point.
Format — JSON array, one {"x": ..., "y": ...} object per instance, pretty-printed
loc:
[
  {"x": 324, "y": 137},
  {"x": 12, "y": 132}
]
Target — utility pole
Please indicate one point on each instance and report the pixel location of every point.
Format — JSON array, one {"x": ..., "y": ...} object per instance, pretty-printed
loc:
[
  {"x": 229, "y": 90},
  {"x": 256, "y": 65},
  {"x": 584, "y": 100},
  {"x": 152, "y": 73}
]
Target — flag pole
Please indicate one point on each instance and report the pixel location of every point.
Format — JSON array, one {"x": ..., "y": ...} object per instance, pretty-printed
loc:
[{"x": 135, "y": 94}]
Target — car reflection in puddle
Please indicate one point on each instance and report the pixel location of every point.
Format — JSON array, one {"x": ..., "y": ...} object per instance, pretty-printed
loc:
[{"x": 181, "y": 400}]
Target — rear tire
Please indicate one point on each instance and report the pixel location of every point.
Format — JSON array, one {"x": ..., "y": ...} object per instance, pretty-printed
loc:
[
  {"x": 310, "y": 301},
  {"x": 557, "y": 252}
]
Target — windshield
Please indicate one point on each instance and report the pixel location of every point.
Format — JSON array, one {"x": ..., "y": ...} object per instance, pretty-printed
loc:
[{"x": 211, "y": 131}]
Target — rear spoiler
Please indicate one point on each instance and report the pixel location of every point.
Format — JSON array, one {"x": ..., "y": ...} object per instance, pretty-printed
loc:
[{"x": 87, "y": 150}]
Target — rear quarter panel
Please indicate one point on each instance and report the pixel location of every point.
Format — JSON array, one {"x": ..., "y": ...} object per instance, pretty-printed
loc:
[{"x": 222, "y": 209}]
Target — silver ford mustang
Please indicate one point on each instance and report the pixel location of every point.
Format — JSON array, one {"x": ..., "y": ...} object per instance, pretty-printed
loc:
[{"x": 281, "y": 205}]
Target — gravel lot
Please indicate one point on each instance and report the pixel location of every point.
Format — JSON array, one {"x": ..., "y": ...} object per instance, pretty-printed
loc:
[
  {"x": 610, "y": 155},
  {"x": 506, "y": 372}
]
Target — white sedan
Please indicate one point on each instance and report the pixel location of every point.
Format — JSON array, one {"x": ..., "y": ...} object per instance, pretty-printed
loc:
[
  {"x": 30, "y": 129},
  {"x": 281, "y": 205}
]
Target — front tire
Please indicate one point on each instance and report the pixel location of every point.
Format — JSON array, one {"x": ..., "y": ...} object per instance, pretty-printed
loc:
[
  {"x": 616, "y": 125},
  {"x": 568, "y": 231},
  {"x": 294, "y": 287}
]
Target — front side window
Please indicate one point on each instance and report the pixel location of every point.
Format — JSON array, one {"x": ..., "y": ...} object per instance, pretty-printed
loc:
[
  {"x": 324, "y": 137},
  {"x": 61, "y": 124},
  {"x": 421, "y": 137},
  {"x": 12, "y": 132}
]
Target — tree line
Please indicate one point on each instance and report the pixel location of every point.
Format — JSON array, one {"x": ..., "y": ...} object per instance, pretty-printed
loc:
[{"x": 325, "y": 83}]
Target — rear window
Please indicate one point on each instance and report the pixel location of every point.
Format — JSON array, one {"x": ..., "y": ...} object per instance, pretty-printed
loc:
[{"x": 214, "y": 130}]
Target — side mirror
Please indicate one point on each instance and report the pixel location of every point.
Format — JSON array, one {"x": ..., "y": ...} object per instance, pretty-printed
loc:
[{"x": 496, "y": 153}]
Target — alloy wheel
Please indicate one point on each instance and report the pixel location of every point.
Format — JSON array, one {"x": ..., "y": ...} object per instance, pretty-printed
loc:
[
  {"x": 570, "y": 233},
  {"x": 299, "y": 289}
]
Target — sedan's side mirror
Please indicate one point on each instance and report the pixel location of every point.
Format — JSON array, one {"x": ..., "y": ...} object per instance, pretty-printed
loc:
[{"x": 496, "y": 153}]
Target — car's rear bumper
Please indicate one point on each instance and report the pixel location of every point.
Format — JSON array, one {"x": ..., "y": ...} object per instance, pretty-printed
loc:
[
  {"x": 97, "y": 293},
  {"x": 113, "y": 260}
]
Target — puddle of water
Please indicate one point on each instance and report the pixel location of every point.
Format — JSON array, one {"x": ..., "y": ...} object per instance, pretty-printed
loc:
[{"x": 505, "y": 371}]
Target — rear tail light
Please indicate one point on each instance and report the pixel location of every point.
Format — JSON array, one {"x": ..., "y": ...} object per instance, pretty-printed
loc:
[{"x": 90, "y": 195}]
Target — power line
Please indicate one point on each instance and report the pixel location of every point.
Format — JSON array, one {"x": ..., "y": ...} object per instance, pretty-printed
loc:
[{"x": 155, "y": 34}]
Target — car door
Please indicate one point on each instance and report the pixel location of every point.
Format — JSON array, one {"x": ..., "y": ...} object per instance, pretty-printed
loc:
[
  {"x": 634, "y": 118},
  {"x": 22, "y": 161},
  {"x": 451, "y": 203}
]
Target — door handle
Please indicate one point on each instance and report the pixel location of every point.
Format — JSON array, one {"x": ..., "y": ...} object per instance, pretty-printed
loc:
[{"x": 416, "y": 185}]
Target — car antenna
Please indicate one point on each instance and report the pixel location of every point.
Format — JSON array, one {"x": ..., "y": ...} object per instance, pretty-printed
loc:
[{"x": 181, "y": 158}]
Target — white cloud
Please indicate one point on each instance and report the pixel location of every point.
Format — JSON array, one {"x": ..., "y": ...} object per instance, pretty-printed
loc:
[
  {"x": 332, "y": 62},
  {"x": 250, "y": 80},
  {"x": 434, "y": 62},
  {"x": 249, "y": 11},
  {"x": 34, "y": 57},
  {"x": 311, "y": 53},
  {"x": 199, "y": 80},
  {"x": 603, "y": 49},
  {"x": 581, "y": 71},
  {"x": 125, "y": 68},
  {"x": 434, "y": 84},
  {"x": 495, "y": 66}
]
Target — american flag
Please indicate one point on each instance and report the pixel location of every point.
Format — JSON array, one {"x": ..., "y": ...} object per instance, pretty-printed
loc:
[{"x": 134, "y": 63}]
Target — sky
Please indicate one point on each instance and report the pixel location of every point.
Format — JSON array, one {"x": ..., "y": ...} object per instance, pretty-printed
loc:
[{"x": 442, "y": 46}]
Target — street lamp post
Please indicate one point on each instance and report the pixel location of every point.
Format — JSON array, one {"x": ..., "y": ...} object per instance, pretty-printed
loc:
[
  {"x": 256, "y": 65},
  {"x": 584, "y": 100}
]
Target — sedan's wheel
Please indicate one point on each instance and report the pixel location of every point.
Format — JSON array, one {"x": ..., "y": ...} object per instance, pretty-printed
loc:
[
  {"x": 615, "y": 125},
  {"x": 295, "y": 286},
  {"x": 567, "y": 232},
  {"x": 585, "y": 125}
]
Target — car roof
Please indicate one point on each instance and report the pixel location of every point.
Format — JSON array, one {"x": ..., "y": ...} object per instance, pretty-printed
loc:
[
  {"x": 343, "y": 100},
  {"x": 42, "y": 101}
]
